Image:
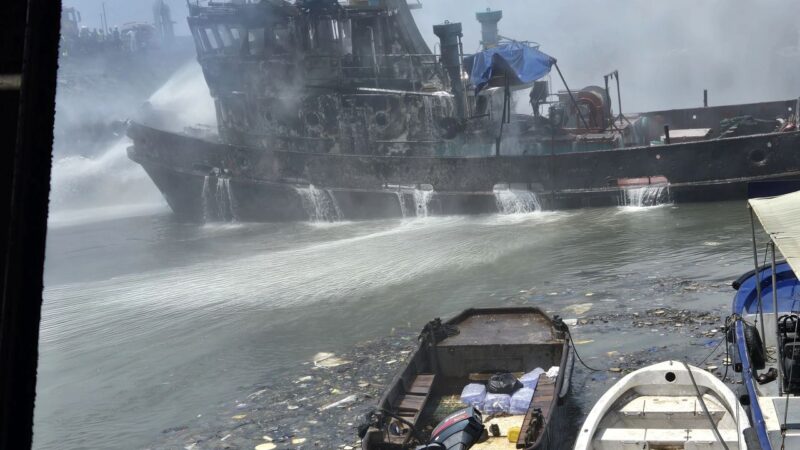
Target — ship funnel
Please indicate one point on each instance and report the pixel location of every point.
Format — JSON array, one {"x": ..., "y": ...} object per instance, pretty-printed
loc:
[
  {"x": 489, "y": 34},
  {"x": 450, "y": 43}
]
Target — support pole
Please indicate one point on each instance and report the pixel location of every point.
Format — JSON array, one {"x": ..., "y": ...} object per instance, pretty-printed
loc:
[
  {"x": 506, "y": 116},
  {"x": 619, "y": 93},
  {"x": 705, "y": 98},
  {"x": 775, "y": 313},
  {"x": 607, "y": 110},
  {"x": 666, "y": 134},
  {"x": 585, "y": 125},
  {"x": 758, "y": 279}
]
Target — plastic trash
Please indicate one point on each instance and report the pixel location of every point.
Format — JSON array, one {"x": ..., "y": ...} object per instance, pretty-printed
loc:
[
  {"x": 473, "y": 394},
  {"x": 496, "y": 403},
  {"x": 553, "y": 372},
  {"x": 521, "y": 400},
  {"x": 503, "y": 383},
  {"x": 530, "y": 379}
]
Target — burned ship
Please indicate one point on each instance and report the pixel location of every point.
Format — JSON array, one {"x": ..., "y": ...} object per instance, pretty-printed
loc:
[{"x": 330, "y": 110}]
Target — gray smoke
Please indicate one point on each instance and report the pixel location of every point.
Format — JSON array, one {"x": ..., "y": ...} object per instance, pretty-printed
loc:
[{"x": 667, "y": 52}]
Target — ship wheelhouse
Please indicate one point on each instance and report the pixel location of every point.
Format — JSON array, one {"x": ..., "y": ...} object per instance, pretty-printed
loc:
[{"x": 321, "y": 77}]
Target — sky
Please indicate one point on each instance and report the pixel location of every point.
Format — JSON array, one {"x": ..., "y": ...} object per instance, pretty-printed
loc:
[{"x": 666, "y": 51}]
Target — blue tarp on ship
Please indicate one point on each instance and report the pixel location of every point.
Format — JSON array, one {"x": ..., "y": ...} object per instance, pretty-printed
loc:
[{"x": 521, "y": 63}]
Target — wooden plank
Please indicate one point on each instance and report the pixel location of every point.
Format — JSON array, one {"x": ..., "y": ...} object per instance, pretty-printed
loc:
[
  {"x": 411, "y": 403},
  {"x": 422, "y": 384},
  {"x": 495, "y": 443},
  {"x": 542, "y": 399}
]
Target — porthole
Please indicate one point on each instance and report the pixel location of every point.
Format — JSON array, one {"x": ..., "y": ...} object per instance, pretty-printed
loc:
[
  {"x": 381, "y": 119},
  {"x": 670, "y": 376},
  {"x": 758, "y": 157},
  {"x": 312, "y": 119}
]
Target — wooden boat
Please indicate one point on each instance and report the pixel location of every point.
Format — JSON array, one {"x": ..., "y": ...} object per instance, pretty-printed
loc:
[
  {"x": 669, "y": 405},
  {"x": 470, "y": 347}
]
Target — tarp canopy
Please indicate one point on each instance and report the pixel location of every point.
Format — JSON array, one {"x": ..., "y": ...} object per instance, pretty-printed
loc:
[
  {"x": 780, "y": 217},
  {"x": 521, "y": 63}
]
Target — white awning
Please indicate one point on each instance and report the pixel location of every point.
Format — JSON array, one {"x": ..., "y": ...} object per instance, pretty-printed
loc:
[{"x": 780, "y": 217}]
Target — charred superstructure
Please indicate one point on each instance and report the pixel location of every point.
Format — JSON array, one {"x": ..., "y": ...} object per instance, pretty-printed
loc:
[
  {"x": 321, "y": 77},
  {"x": 333, "y": 110}
]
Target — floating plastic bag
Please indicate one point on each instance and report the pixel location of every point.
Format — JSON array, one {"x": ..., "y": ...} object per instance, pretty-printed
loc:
[
  {"x": 521, "y": 400},
  {"x": 530, "y": 379},
  {"x": 496, "y": 403},
  {"x": 473, "y": 394}
]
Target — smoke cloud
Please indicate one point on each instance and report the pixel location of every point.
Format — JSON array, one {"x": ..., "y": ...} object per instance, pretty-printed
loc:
[{"x": 666, "y": 52}]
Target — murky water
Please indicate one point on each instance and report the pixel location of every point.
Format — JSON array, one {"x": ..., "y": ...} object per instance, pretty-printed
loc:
[{"x": 148, "y": 322}]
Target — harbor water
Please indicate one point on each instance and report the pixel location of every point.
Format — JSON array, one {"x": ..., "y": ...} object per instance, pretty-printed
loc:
[{"x": 149, "y": 323}]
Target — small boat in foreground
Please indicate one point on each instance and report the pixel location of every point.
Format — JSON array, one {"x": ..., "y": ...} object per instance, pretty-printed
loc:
[
  {"x": 467, "y": 350},
  {"x": 669, "y": 405},
  {"x": 766, "y": 345}
]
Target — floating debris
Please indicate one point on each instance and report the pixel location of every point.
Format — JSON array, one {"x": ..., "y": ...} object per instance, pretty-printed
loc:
[
  {"x": 328, "y": 360},
  {"x": 349, "y": 400},
  {"x": 579, "y": 309}
]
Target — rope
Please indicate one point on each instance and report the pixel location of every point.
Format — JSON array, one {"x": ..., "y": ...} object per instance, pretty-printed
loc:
[
  {"x": 575, "y": 349},
  {"x": 705, "y": 408},
  {"x": 712, "y": 352},
  {"x": 791, "y": 369}
]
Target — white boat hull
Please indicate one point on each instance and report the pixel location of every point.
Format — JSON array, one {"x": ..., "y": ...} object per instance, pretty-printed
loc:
[{"x": 658, "y": 407}]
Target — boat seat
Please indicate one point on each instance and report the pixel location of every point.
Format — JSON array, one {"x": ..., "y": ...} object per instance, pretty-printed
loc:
[
  {"x": 645, "y": 438},
  {"x": 409, "y": 406},
  {"x": 658, "y": 408}
]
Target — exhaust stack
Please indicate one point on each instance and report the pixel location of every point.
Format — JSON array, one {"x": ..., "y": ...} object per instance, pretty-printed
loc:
[
  {"x": 490, "y": 37},
  {"x": 449, "y": 35}
]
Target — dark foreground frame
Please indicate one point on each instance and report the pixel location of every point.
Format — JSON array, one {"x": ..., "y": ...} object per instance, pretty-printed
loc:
[{"x": 29, "y": 38}]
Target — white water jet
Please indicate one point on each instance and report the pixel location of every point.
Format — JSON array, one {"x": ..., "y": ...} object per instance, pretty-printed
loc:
[
  {"x": 422, "y": 201},
  {"x": 514, "y": 201},
  {"x": 182, "y": 101},
  {"x": 645, "y": 196},
  {"x": 106, "y": 180},
  {"x": 320, "y": 205}
]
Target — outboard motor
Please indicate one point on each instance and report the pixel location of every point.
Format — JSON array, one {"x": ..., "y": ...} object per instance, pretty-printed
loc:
[
  {"x": 458, "y": 431},
  {"x": 788, "y": 326}
]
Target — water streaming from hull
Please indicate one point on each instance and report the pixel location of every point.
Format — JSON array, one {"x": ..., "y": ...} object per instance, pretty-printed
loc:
[
  {"x": 645, "y": 196},
  {"x": 422, "y": 201},
  {"x": 219, "y": 203},
  {"x": 320, "y": 205},
  {"x": 401, "y": 200},
  {"x": 513, "y": 201}
]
